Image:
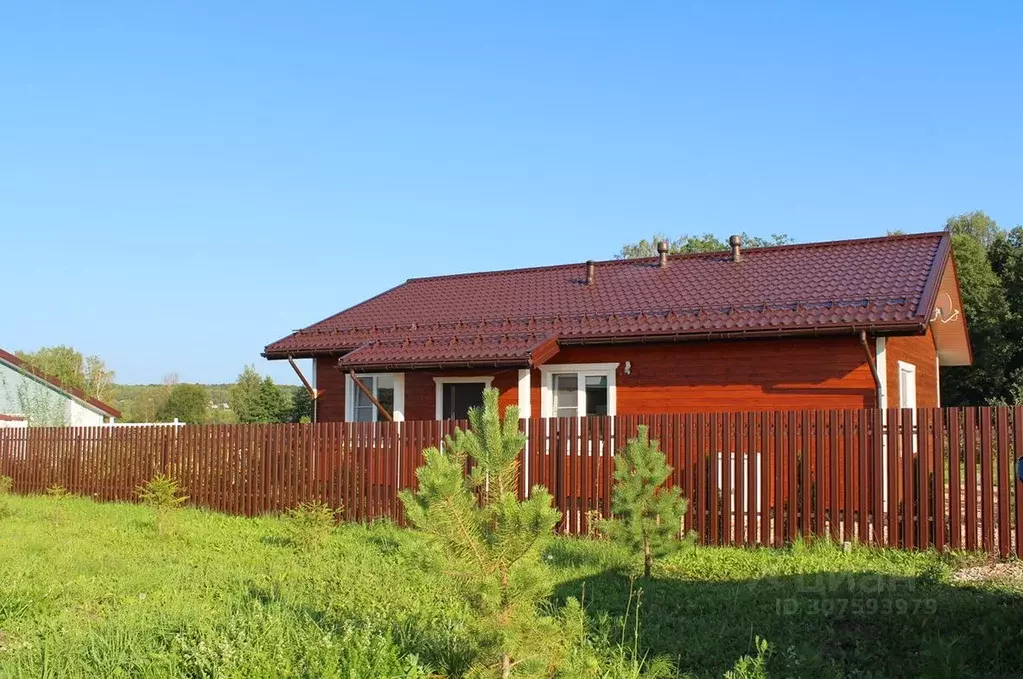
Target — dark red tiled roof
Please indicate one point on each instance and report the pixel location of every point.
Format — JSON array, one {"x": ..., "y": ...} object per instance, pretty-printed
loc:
[
  {"x": 501, "y": 317},
  {"x": 13, "y": 360}
]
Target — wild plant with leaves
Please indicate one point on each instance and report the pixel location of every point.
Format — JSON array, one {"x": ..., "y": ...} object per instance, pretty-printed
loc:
[
  {"x": 647, "y": 514},
  {"x": 491, "y": 539},
  {"x": 163, "y": 494}
]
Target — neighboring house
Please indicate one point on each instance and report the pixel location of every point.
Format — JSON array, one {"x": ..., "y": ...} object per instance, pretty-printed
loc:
[
  {"x": 846, "y": 324},
  {"x": 28, "y": 395}
]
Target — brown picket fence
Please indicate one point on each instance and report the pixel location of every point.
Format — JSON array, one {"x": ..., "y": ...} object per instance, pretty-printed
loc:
[{"x": 913, "y": 479}]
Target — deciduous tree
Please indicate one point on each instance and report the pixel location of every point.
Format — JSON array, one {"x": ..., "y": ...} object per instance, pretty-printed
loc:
[
  {"x": 256, "y": 399},
  {"x": 86, "y": 373},
  {"x": 987, "y": 315},
  {"x": 301, "y": 406},
  {"x": 188, "y": 403},
  {"x": 706, "y": 242}
]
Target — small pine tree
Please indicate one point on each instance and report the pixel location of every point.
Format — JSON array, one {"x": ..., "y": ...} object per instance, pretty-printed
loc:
[
  {"x": 492, "y": 539},
  {"x": 163, "y": 495},
  {"x": 648, "y": 515}
]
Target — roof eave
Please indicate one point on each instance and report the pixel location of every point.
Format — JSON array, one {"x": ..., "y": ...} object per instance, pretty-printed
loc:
[
  {"x": 280, "y": 355},
  {"x": 436, "y": 364},
  {"x": 917, "y": 327}
]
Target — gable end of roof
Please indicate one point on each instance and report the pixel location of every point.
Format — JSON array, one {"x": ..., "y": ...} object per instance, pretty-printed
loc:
[{"x": 74, "y": 393}]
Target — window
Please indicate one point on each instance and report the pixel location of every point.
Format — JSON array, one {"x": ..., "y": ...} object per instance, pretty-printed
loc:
[
  {"x": 578, "y": 390},
  {"x": 907, "y": 385},
  {"x": 596, "y": 395},
  {"x": 388, "y": 389},
  {"x": 566, "y": 395},
  {"x": 456, "y": 395}
]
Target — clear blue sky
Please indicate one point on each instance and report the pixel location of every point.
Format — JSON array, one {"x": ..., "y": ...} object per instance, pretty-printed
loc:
[{"x": 182, "y": 183}]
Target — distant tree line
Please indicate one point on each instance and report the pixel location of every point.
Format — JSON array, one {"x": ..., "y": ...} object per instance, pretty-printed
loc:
[
  {"x": 250, "y": 399},
  {"x": 687, "y": 243}
]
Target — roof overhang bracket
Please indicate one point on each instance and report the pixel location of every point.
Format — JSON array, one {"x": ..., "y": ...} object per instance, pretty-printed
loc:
[{"x": 313, "y": 393}]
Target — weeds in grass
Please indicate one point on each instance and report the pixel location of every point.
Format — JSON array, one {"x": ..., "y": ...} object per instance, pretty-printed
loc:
[
  {"x": 751, "y": 667},
  {"x": 163, "y": 495},
  {"x": 6, "y": 483},
  {"x": 310, "y": 524},
  {"x": 97, "y": 597}
]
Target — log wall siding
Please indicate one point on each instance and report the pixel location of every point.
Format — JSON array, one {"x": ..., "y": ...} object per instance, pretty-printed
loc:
[
  {"x": 690, "y": 377},
  {"x": 420, "y": 389},
  {"x": 781, "y": 374},
  {"x": 330, "y": 404},
  {"x": 920, "y": 351}
]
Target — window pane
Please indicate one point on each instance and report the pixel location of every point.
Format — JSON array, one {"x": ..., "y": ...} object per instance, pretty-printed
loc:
[
  {"x": 361, "y": 400},
  {"x": 386, "y": 398},
  {"x": 363, "y": 409},
  {"x": 596, "y": 395},
  {"x": 459, "y": 398},
  {"x": 566, "y": 395}
]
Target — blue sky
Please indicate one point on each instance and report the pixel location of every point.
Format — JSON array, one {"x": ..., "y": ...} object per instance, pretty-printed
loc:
[{"x": 182, "y": 183}]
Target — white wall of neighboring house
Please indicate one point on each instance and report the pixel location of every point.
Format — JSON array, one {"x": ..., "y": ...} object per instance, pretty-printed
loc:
[{"x": 41, "y": 402}]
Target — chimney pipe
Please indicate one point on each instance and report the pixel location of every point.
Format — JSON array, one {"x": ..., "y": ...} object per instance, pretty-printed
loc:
[
  {"x": 662, "y": 252},
  {"x": 591, "y": 271},
  {"x": 736, "y": 243}
]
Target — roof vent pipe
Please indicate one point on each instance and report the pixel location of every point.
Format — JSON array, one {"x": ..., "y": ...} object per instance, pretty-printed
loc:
[
  {"x": 591, "y": 271},
  {"x": 662, "y": 252},
  {"x": 736, "y": 243}
]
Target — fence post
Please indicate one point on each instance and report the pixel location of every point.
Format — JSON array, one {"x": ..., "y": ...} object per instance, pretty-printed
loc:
[{"x": 163, "y": 455}]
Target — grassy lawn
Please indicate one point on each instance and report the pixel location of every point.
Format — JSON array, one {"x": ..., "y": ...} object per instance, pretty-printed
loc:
[{"x": 92, "y": 590}]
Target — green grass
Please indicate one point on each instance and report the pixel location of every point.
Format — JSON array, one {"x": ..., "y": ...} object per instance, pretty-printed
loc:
[{"x": 92, "y": 590}]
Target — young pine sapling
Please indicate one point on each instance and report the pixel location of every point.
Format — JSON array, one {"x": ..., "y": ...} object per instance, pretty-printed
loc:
[
  {"x": 491, "y": 538},
  {"x": 162, "y": 494},
  {"x": 647, "y": 514},
  {"x": 310, "y": 525}
]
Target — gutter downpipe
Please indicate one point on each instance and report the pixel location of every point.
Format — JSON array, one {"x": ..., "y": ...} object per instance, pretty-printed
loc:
[{"x": 873, "y": 369}]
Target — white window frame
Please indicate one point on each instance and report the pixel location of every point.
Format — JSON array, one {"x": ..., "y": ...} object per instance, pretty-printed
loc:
[
  {"x": 439, "y": 382},
  {"x": 907, "y": 369},
  {"x": 399, "y": 395},
  {"x": 582, "y": 371}
]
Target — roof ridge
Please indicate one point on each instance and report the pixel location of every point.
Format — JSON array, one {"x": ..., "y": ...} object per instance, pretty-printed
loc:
[{"x": 673, "y": 257}]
